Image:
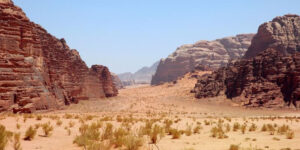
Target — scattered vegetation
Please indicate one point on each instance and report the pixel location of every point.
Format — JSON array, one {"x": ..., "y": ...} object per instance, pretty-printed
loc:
[
  {"x": 30, "y": 134},
  {"x": 4, "y": 137},
  {"x": 47, "y": 128},
  {"x": 17, "y": 142}
]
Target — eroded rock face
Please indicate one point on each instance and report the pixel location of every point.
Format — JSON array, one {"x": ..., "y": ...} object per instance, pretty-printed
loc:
[
  {"x": 116, "y": 80},
  {"x": 269, "y": 79},
  {"x": 213, "y": 54},
  {"x": 282, "y": 34},
  {"x": 39, "y": 71},
  {"x": 104, "y": 75}
]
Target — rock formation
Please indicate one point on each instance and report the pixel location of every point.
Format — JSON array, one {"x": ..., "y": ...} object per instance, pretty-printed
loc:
[
  {"x": 142, "y": 76},
  {"x": 282, "y": 34},
  {"x": 39, "y": 71},
  {"x": 271, "y": 78},
  {"x": 212, "y": 54},
  {"x": 117, "y": 82}
]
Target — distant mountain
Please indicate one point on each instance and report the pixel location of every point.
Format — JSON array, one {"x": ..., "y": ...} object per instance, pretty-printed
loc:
[{"x": 142, "y": 76}]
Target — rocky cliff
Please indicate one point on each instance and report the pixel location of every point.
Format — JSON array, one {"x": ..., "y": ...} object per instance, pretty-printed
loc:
[
  {"x": 282, "y": 34},
  {"x": 39, "y": 71},
  {"x": 267, "y": 77},
  {"x": 212, "y": 54}
]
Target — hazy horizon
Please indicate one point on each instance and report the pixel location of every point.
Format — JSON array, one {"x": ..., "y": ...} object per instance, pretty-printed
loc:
[{"x": 128, "y": 35}]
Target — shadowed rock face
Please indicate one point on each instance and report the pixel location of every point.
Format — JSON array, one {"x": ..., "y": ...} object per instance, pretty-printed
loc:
[
  {"x": 39, "y": 71},
  {"x": 213, "y": 54},
  {"x": 282, "y": 34},
  {"x": 116, "y": 80},
  {"x": 268, "y": 79}
]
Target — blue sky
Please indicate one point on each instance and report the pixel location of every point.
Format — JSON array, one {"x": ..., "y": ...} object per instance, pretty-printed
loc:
[{"x": 126, "y": 35}]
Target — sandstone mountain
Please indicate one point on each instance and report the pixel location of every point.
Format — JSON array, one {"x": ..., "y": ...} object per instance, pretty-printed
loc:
[
  {"x": 282, "y": 34},
  {"x": 142, "y": 76},
  {"x": 212, "y": 54},
  {"x": 268, "y": 76},
  {"x": 39, "y": 71}
]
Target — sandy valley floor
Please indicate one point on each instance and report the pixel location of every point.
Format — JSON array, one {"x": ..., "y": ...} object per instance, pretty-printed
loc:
[{"x": 164, "y": 117}]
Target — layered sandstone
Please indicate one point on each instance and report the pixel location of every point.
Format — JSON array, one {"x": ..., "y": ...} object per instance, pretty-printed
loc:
[
  {"x": 39, "y": 71},
  {"x": 282, "y": 34},
  {"x": 271, "y": 78},
  {"x": 213, "y": 54}
]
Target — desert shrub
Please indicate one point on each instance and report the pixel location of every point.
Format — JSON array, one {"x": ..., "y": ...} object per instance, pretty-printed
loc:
[
  {"x": 98, "y": 124},
  {"x": 119, "y": 118},
  {"x": 108, "y": 131},
  {"x": 47, "y": 128},
  {"x": 168, "y": 124},
  {"x": 227, "y": 126},
  {"x": 156, "y": 132},
  {"x": 188, "y": 131},
  {"x": 252, "y": 128},
  {"x": 236, "y": 126},
  {"x": 218, "y": 132},
  {"x": 4, "y": 137},
  {"x": 197, "y": 129},
  {"x": 88, "y": 134},
  {"x": 264, "y": 128},
  {"x": 37, "y": 126},
  {"x": 283, "y": 129},
  {"x": 243, "y": 128},
  {"x": 59, "y": 122},
  {"x": 106, "y": 118},
  {"x": 207, "y": 122},
  {"x": 133, "y": 142},
  {"x": 30, "y": 134},
  {"x": 147, "y": 129},
  {"x": 39, "y": 117},
  {"x": 290, "y": 134},
  {"x": 228, "y": 119},
  {"x": 98, "y": 146},
  {"x": 18, "y": 126},
  {"x": 175, "y": 133},
  {"x": 71, "y": 124},
  {"x": 271, "y": 129},
  {"x": 68, "y": 116},
  {"x": 119, "y": 137},
  {"x": 234, "y": 147},
  {"x": 89, "y": 117},
  {"x": 16, "y": 141}
]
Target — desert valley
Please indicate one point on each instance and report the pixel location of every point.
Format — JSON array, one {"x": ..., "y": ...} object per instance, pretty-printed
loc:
[{"x": 234, "y": 93}]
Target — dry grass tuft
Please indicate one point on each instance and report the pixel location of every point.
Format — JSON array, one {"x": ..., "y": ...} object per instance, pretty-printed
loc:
[
  {"x": 47, "y": 128},
  {"x": 4, "y": 137},
  {"x": 30, "y": 134}
]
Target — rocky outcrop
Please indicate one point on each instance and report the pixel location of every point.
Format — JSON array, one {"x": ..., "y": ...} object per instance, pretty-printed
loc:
[
  {"x": 142, "y": 76},
  {"x": 269, "y": 79},
  {"x": 282, "y": 34},
  {"x": 117, "y": 82},
  {"x": 104, "y": 75},
  {"x": 213, "y": 54},
  {"x": 39, "y": 71}
]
